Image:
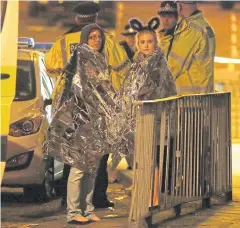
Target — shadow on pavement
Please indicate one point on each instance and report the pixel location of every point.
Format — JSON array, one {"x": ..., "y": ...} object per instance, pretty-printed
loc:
[{"x": 8, "y": 198}]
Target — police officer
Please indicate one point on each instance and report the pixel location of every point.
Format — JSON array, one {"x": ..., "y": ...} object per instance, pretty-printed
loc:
[
  {"x": 191, "y": 56},
  {"x": 168, "y": 21},
  {"x": 129, "y": 41},
  {"x": 57, "y": 58}
]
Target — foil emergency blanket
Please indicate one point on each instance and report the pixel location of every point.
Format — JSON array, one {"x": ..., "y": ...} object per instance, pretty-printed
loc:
[
  {"x": 150, "y": 79},
  {"x": 90, "y": 118}
]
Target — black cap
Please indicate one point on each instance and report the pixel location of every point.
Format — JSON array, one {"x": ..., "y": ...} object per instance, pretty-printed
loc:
[
  {"x": 86, "y": 8},
  {"x": 128, "y": 31},
  {"x": 86, "y": 12},
  {"x": 168, "y": 7}
]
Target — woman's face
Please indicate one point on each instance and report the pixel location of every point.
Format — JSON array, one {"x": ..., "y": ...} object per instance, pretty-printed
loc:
[
  {"x": 147, "y": 43},
  {"x": 95, "y": 39}
]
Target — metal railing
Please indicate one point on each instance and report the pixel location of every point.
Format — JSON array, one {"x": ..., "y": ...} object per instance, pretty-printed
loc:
[{"x": 182, "y": 153}]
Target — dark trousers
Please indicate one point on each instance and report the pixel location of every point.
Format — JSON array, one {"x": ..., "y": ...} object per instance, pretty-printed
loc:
[
  {"x": 101, "y": 183},
  {"x": 62, "y": 185}
]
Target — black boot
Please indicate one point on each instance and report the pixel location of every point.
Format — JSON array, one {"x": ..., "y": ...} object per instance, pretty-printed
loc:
[
  {"x": 64, "y": 202},
  {"x": 104, "y": 204}
]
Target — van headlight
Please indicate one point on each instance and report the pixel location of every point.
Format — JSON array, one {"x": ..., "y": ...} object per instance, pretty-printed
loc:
[
  {"x": 25, "y": 126},
  {"x": 20, "y": 161}
]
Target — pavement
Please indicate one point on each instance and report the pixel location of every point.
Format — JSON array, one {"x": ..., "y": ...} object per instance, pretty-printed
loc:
[
  {"x": 51, "y": 215},
  {"x": 221, "y": 214}
]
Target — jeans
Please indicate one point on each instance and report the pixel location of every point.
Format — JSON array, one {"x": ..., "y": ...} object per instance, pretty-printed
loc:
[{"x": 79, "y": 193}]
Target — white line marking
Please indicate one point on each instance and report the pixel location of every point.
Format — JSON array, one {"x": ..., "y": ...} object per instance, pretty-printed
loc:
[{"x": 226, "y": 60}]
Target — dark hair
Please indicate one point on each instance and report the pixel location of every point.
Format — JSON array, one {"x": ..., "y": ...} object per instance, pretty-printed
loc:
[{"x": 87, "y": 30}]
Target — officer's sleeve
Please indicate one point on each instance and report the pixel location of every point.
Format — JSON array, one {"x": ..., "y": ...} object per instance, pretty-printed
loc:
[
  {"x": 118, "y": 61},
  {"x": 164, "y": 43},
  {"x": 168, "y": 83},
  {"x": 53, "y": 59},
  {"x": 204, "y": 56}
]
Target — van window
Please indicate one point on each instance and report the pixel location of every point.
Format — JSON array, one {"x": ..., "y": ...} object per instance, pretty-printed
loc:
[
  {"x": 3, "y": 13},
  {"x": 26, "y": 82}
]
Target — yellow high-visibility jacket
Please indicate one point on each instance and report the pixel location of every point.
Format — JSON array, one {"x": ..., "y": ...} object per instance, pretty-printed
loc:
[
  {"x": 60, "y": 53},
  {"x": 164, "y": 41},
  {"x": 191, "y": 59}
]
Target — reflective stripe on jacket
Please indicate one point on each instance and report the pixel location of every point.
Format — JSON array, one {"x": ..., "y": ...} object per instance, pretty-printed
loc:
[
  {"x": 61, "y": 51},
  {"x": 191, "y": 58}
]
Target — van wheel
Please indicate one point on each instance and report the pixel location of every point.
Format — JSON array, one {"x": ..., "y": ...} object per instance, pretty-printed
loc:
[{"x": 40, "y": 193}]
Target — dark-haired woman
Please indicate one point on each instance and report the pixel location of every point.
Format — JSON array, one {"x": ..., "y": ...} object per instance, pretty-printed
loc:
[{"x": 87, "y": 79}]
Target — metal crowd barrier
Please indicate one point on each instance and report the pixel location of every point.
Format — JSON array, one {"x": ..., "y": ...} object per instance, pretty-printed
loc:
[{"x": 182, "y": 154}]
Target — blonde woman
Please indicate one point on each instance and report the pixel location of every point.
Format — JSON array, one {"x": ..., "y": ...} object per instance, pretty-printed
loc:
[{"x": 150, "y": 77}]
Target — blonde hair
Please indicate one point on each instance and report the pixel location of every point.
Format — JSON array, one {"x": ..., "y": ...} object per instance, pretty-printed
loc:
[{"x": 146, "y": 32}]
